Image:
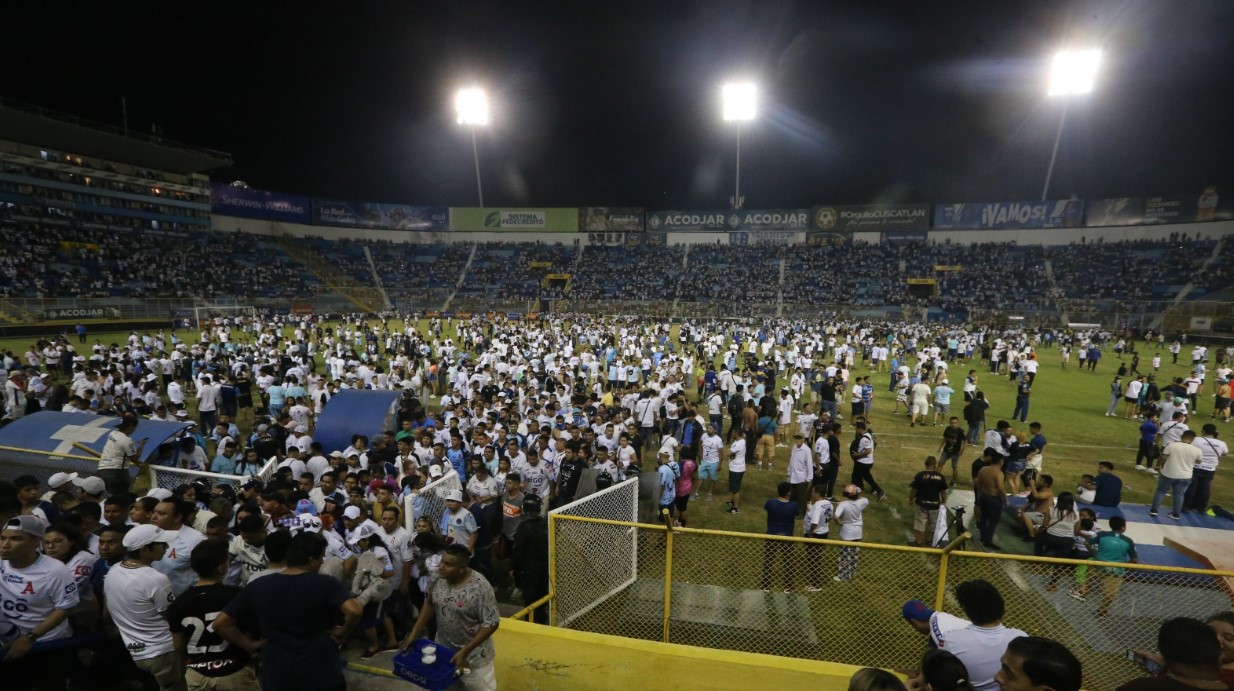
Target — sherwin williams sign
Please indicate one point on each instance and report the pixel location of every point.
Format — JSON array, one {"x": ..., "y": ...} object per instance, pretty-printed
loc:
[
  {"x": 226, "y": 200},
  {"x": 473, "y": 219}
]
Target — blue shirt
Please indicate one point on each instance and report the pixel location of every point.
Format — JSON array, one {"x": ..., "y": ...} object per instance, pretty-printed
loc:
[
  {"x": 668, "y": 485},
  {"x": 1148, "y": 431},
  {"x": 942, "y": 394},
  {"x": 780, "y": 516}
]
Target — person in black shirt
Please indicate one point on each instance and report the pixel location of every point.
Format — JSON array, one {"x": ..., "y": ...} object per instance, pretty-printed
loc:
[
  {"x": 953, "y": 445},
  {"x": 529, "y": 556},
  {"x": 295, "y": 611},
  {"x": 928, "y": 493},
  {"x": 209, "y": 660},
  {"x": 568, "y": 476},
  {"x": 781, "y": 516}
]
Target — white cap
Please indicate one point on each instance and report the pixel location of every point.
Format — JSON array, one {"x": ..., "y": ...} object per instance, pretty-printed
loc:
[
  {"x": 365, "y": 530},
  {"x": 310, "y": 523},
  {"x": 454, "y": 495},
  {"x": 434, "y": 470},
  {"x": 159, "y": 493},
  {"x": 60, "y": 479},
  {"x": 352, "y": 512},
  {"x": 91, "y": 485},
  {"x": 141, "y": 535}
]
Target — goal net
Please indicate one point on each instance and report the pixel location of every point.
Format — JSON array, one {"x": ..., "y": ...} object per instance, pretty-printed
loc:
[
  {"x": 429, "y": 501},
  {"x": 167, "y": 477},
  {"x": 209, "y": 316},
  {"x": 593, "y": 562}
]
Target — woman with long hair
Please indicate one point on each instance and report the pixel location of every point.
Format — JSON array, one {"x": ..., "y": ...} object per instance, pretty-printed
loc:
[
  {"x": 1056, "y": 538},
  {"x": 65, "y": 542}
]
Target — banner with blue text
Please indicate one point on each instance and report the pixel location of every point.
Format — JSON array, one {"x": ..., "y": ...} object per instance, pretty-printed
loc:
[
  {"x": 1062, "y": 213},
  {"x": 243, "y": 202},
  {"x": 380, "y": 216}
]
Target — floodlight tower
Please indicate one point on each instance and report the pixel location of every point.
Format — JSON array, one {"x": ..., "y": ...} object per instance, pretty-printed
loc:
[
  {"x": 471, "y": 105},
  {"x": 1072, "y": 73},
  {"x": 739, "y": 101}
]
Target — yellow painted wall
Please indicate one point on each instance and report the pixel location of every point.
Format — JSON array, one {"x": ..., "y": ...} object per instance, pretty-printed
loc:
[{"x": 536, "y": 657}]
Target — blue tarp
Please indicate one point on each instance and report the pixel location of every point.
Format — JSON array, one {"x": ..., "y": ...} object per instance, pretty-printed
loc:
[
  {"x": 354, "y": 411},
  {"x": 49, "y": 431}
]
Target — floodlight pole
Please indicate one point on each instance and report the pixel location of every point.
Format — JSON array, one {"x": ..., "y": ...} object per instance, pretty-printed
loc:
[
  {"x": 737, "y": 190},
  {"x": 1054, "y": 154},
  {"x": 475, "y": 155}
]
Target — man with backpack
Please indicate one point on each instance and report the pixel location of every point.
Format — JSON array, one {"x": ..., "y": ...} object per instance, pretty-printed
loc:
[
  {"x": 669, "y": 472},
  {"x": 861, "y": 450}
]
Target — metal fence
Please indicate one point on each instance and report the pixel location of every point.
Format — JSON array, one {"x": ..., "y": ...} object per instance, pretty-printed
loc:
[
  {"x": 840, "y": 601},
  {"x": 601, "y": 575},
  {"x": 15, "y": 462},
  {"x": 429, "y": 501}
]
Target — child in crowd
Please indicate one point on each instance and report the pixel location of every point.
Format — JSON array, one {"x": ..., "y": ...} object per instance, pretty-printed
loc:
[{"x": 1088, "y": 531}]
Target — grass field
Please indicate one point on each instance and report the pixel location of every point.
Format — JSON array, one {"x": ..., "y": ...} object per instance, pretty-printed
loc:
[{"x": 1068, "y": 402}]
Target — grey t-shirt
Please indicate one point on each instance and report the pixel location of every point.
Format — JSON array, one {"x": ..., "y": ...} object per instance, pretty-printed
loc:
[{"x": 462, "y": 610}]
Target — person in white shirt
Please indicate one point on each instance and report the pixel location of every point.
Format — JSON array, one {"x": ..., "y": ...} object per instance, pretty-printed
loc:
[
  {"x": 736, "y": 473},
  {"x": 137, "y": 595},
  {"x": 817, "y": 524},
  {"x": 852, "y": 528},
  {"x": 981, "y": 644},
  {"x": 37, "y": 591},
  {"x": 209, "y": 398},
  {"x": 169, "y": 515},
  {"x": 1211, "y": 450},
  {"x": 709, "y": 470},
  {"x": 800, "y": 472}
]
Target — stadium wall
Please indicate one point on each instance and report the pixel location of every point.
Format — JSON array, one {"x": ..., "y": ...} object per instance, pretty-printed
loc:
[
  {"x": 1058, "y": 236},
  {"x": 531, "y": 656}
]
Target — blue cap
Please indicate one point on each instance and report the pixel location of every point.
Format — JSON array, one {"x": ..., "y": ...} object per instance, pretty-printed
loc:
[
  {"x": 916, "y": 610},
  {"x": 305, "y": 506}
]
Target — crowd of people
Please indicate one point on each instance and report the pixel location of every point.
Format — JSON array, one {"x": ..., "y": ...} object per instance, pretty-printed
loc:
[
  {"x": 46, "y": 257},
  {"x": 521, "y": 410}
]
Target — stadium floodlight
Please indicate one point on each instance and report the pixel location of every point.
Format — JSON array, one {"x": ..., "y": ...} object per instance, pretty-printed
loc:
[
  {"x": 739, "y": 103},
  {"x": 471, "y": 105},
  {"x": 1072, "y": 72}
]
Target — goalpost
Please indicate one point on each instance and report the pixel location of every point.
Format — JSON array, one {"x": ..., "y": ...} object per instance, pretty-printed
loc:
[
  {"x": 592, "y": 562},
  {"x": 204, "y": 315}
]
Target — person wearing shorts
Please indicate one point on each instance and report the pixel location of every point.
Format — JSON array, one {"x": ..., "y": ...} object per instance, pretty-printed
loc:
[{"x": 736, "y": 473}]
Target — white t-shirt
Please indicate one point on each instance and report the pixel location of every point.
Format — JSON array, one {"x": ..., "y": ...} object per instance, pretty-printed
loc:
[
  {"x": 137, "y": 598},
  {"x": 1180, "y": 460},
  {"x": 28, "y": 596},
  {"x": 848, "y": 513},
  {"x": 737, "y": 456},
  {"x": 118, "y": 448},
  {"x": 1211, "y": 451},
  {"x": 175, "y": 563},
  {"x": 399, "y": 545},
  {"x": 711, "y": 443},
  {"x": 980, "y": 649}
]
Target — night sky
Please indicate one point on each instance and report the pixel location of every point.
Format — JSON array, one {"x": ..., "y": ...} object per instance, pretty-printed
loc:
[{"x": 617, "y": 103}]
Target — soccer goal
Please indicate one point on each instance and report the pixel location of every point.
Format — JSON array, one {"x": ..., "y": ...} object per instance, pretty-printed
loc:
[
  {"x": 204, "y": 315},
  {"x": 430, "y": 501},
  {"x": 169, "y": 478},
  {"x": 593, "y": 562}
]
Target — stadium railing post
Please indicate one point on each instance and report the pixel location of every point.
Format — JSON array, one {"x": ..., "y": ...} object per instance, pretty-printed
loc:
[
  {"x": 941, "y": 592},
  {"x": 552, "y": 568},
  {"x": 668, "y": 570}
]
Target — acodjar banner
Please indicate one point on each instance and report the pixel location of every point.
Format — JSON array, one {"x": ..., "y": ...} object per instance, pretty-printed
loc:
[{"x": 767, "y": 219}]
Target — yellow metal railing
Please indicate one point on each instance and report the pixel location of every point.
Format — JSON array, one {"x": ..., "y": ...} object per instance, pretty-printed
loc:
[{"x": 744, "y": 591}]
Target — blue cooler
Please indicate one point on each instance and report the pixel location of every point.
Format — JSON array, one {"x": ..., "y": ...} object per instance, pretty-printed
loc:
[{"x": 438, "y": 676}]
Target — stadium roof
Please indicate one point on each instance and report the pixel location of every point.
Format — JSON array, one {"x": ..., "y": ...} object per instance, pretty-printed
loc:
[{"x": 27, "y": 124}]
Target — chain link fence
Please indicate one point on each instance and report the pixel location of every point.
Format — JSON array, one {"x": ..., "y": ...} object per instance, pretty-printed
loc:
[
  {"x": 1122, "y": 609},
  {"x": 841, "y": 601},
  {"x": 599, "y": 559},
  {"x": 429, "y": 501}
]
